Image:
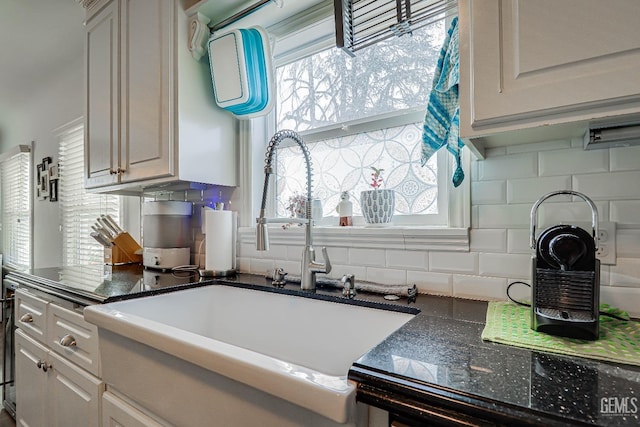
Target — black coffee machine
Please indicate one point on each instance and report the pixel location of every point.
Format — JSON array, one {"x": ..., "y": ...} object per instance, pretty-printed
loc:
[{"x": 565, "y": 281}]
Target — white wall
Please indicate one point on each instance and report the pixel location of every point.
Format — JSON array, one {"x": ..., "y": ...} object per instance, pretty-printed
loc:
[
  {"x": 51, "y": 104},
  {"x": 503, "y": 190}
]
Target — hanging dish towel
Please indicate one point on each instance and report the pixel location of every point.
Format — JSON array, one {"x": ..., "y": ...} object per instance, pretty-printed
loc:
[{"x": 441, "y": 122}]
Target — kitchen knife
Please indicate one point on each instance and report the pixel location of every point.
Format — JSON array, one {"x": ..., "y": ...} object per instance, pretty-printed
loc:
[
  {"x": 104, "y": 233},
  {"x": 109, "y": 219},
  {"x": 100, "y": 239},
  {"x": 107, "y": 227}
]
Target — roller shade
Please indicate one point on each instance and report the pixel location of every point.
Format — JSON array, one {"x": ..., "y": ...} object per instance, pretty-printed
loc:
[{"x": 361, "y": 23}]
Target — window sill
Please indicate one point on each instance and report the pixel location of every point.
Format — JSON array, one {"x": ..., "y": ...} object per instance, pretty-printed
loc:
[{"x": 412, "y": 238}]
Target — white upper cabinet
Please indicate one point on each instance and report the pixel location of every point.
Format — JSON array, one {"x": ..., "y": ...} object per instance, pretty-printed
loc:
[
  {"x": 530, "y": 64},
  {"x": 150, "y": 115}
]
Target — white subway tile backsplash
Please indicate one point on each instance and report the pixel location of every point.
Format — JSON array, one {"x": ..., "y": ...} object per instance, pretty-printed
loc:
[
  {"x": 572, "y": 161},
  {"x": 243, "y": 264},
  {"x": 339, "y": 270},
  {"x": 626, "y": 211},
  {"x": 539, "y": 146},
  {"x": 476, "y": 287},
  {"x": 503, "y": 216},
  {"x": 488, "y": 192},
  {"x": 338, "y": 255},
  {"x": 488, "y": 240},
  {"x": 516, "y": 166},
  {"x": 261, "y": 266},
  {"x": 415, "y": 260},
  {"x": 431, "y": 283},
  {"x": 518, "y": 241},
  {"x": 293, "y": 252},
  {"x": 505, "y": 265},
  {"x": 248, "y": 250},
  {"x": 628, "y": 243},
  {"x": 387, "y": 276},
  {"x": 367, "y": 257},
  {"x": 626, "y": 273},
  {"x": 504, "y": 187},
  {"x": 279, "y": 252},
  {"x": 292, "y": 268},
  {"x": 453, "y": 262},
  {"x": 609, "y": 186},
  {"x": 605, "y": 275},
  {"x": 627, "y": 299},
  {"x": 570, "y": 213},
  {"x": 625, "y": 158},
  {"x": 529, "y": 190}
]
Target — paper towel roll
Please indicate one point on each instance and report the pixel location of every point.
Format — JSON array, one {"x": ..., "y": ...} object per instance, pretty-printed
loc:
[{"x": 219, "y": 240}]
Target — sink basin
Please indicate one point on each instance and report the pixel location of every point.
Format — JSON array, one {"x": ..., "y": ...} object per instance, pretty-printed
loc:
[{"x": 294, "y": 348}]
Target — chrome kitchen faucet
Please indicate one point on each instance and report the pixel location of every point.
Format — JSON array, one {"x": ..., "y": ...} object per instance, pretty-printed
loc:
[{"x": 309, "y": 266}]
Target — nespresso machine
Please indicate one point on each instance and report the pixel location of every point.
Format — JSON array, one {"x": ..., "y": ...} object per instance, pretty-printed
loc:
[{"x": 565, "y": 280}]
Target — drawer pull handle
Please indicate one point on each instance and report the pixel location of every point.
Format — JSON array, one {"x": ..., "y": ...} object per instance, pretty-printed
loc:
[
  {"x": 27, "y": 318},
  {"x": 43, "y": 365},
  {"x": 68, "y": 341}
]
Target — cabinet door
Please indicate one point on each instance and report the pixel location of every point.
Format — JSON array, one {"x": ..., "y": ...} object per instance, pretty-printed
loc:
[
  {"x": 117, "y": 413},
  {"x": 543, "y": 62},
  {"x": 102, "y": 79},
  {"x": 31, "y": 382},
  {"x": 147, "y": 99},
  {"x": 74, "y": 395}
]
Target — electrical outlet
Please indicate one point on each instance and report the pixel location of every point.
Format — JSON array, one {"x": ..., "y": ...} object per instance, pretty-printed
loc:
[{"x": 606, "y": 252}]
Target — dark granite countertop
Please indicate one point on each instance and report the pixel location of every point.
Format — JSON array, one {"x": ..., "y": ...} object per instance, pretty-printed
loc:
[
  {"x": 97, "y": 284},
  {"x": 438, "y": 368},
  {"x": 435, "y": 368}
]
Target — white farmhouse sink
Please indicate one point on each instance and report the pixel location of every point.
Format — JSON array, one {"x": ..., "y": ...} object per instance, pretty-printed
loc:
[{"x": 296, "y": 349}]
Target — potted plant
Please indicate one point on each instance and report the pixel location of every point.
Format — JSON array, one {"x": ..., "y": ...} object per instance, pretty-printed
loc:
[
  {"x": 378, "y": 204},
  {"x": 297, "y": 206}
]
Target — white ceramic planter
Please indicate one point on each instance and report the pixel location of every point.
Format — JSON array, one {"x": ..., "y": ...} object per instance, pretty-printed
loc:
[{"x": 378, "y": 206}]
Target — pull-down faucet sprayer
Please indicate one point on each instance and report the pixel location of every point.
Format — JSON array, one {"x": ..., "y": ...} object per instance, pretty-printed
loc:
[{"x": 309, "y": 266}]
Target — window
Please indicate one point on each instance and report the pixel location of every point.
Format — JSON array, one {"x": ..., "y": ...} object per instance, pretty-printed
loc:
[
  {"x": 79, "y": 209},
  {"x": 16, "y": 207},
  {"x": 358, "y": 112}
]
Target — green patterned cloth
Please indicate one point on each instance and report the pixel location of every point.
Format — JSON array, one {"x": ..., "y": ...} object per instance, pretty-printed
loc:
[{"x": 619, "y": 341}]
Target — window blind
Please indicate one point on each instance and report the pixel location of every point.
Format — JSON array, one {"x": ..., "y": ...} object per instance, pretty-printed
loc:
[
  {"x": 79, "y": 209},
  {"x": 16, "y": 209},
  {"x": 362, "y": 23}
]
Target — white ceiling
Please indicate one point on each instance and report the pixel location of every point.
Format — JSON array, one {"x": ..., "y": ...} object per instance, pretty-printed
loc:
[{"x": 37, "y": 37}]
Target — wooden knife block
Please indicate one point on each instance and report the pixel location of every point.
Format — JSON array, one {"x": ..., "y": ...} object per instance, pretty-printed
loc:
[{"x": 124, "y": 250}]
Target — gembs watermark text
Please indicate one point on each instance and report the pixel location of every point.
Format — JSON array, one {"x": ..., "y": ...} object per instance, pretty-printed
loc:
[{"x": 619, "y": 406}]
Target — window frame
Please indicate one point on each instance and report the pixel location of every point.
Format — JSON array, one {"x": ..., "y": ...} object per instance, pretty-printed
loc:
[
  {"x": 6, "y": 157},
  {"x": 255, "y": 134},
  {"x": 90, "y": 249}
]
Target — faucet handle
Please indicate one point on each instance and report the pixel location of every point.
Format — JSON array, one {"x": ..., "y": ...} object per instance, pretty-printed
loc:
[{"x": 327, "y": 262}]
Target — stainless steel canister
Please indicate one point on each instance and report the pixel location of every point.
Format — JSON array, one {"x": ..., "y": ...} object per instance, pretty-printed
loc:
[{"x": 166, "y": 224}]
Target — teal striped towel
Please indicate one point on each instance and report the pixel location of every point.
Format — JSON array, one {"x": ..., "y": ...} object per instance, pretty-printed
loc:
[{"x": 441, "y": 122}]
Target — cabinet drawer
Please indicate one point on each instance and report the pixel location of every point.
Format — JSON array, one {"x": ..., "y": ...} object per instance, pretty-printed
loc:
[
  {"x": 31, "y": 315},
  {"x": 118, "y": 412},
  {"x": 72, "y": 337}
]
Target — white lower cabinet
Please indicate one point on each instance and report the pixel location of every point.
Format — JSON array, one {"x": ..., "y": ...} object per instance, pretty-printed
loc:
[
  {"x": 51, "y": 391},
  {"x": 117, "y": 413},
  {"x": 57, "y": 368}
]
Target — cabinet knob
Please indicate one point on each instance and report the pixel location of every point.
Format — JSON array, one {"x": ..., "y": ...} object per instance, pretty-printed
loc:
[
  {"x": 27, "y": 318},
  {"x": 120, "y": 171},
  {"x": 67, "y": 341},
  {"x": 43, "y": 365},
  {"x": 112, "y": 172}
]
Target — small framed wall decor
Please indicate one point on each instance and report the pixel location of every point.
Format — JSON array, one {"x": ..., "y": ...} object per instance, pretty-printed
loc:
[{"x": 47, "y": 180}]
